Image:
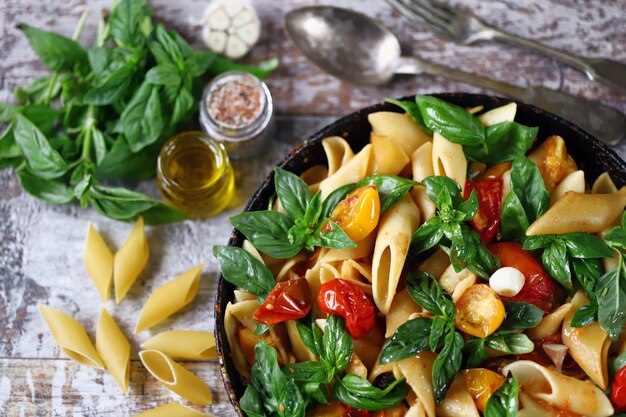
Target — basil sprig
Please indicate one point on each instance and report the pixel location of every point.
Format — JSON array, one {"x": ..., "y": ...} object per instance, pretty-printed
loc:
[
  {"x": 506, "y": 341},
  {"x": 505, "y": 141},
  {"x": 449, "y": 228},
  {"x": 520, "y": 315},
  {"x": 282, "y": 236},
  {"x": 504, "y": 402},
  {"x": 526, "y": 202},
  {"x": 357, "y": 392}
]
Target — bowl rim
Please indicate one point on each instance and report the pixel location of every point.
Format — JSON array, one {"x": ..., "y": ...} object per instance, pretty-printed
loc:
[{"x": 613, "y": 159}]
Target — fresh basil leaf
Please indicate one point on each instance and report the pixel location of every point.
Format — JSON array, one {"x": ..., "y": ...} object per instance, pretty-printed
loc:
[
  {"x": 520, "y": 315},
  {"x": 390, "y": 188},
  {"x": 113, "y": 87},
  {"x": 437, "y": 333},
  {"x": 99, "y": 144},
  {"x": 469, "y": 207},
  {"x": 164, "y": 74},
  {"x": 434, "y": 184},
  {"x": 586, "y": 245},
  {"x": 40, "y": 90},
  {"x": 585, "y": 315},
  {"x": 410, "y": 338},
  {"x": 587, "y": 272},
  {"x": 426, "y": 291},
  {"x": 99, "y": 59},
  {"x": 56, "y": 51},
  {"x": 125, "y": 23},
  {"x": 197, "y": 63},
  {"x": 451, "y": 121},
  {"x": 447, "y": 364},
  {"x": 262, "y": 69},
  {"x": 334, "y": 238},
  {"x": 539, "y": 242},
  {"x": 427, "y": 236},
  {"x": 470, "y": 252},
  {"x": 504, "y": 402},
  {"x": 334, "y": 198},
  {"x": 618, "y": 363},
  {"x": 170, "y": 46},
  {"x": 183, "y": 106},
  {"x": 616, "y": 237},
  {"x": 267, "y": 231},
  {"x": 306, "y": 334},
  {"x": 278, "y": 393},
  {"x": 444, "y": 204},
  {"x": 242, "y": 269},
  {"x": 510, "y": 342},
  {"x": 474, "y": 353},
  {"x": 412, "y": 110},
  {"x": 611, "y": 294},
  {"x": 251, "y": 403},
  {"x": 43, "y": 117},
  {"x": 337, "y": 345},
  {"x": 357, "y": 392},
  {"x": 313, "y": 210},
  {"x": 528, "y": 186},
  {"x": 293, "y": 192},
  {"x": 260, "y": 329},
  {"x": 505, "y": 142},
  {"x": 8, "y": 147},
  {"x": 513, "y": 220},
  {"x": 121, "y": 163},
  {"x": 50, "y": 191},
  {"x": 142, "y": 119},
  {"x": 42, "y": 159},
  {"x": 309, "y": 371},
  {"x": 556, "y": 262}
]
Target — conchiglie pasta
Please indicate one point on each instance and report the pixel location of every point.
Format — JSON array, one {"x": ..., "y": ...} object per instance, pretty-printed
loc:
[
  {"x": 170, "y": 410},
  {"x": 186, "y": 344},
  {"x": 114, "y": 349},
  {"x": 169, "y": 298},
  {"x": 176, "y": 378},
  {"x": 396, "y": 227},
  {"x": 399, "y": 127},
  {"x": 449, "y": 160},
  {"x": 388, "y": 158},
  {"x": 98, "y": 260},
  {"x": 560, "y": 391},
  {"x": 352, "y": 171},
  {"x": 130, "y": 260},
  {"x": 71, "y": 337}
]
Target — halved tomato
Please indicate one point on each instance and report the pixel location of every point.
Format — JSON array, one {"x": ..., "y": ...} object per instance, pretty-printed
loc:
[
  {"x": 481, "y": 383},
  {"x": 358, "y": 213}
]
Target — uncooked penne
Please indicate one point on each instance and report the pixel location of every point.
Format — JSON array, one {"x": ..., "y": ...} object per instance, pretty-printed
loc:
[
  {"x": 185, "y": 344},
  {"x": 98, "y": 260},
  {"x": 449, "y": 159},
  {"x": 169, "y": 298},
  {"x": 130, "y": 260},
  {"x": 172, "y": 410},
  {"x": 176, "y": 378},
  {"x": 71, "y": 337},
  {"x": 114, "y": 349}
]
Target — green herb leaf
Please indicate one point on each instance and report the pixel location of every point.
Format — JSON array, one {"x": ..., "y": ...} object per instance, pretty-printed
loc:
[
  {"x": 556, "y": 262},
  {"x": 411, "y": 338},
  {"x": 309, "y": 371},
  {"x": 505, "y": 142},
  {"x": 427, "y": 236},
  {"x": 50, "y": 191},
  {"x": 221, "y": 64},
  {"x": 197, "y": 63},
  {"x": 121, "y": 163},
  {"x": 309, "y": 332},
  {"x": 528, "y": 186},
  {"x": 242, "y": 269},
  {"x": 587, "y": 272},
  {"x": 337, "y": 345},
  {"x": 586, "y": 245},
  {"x": 357, "y": 392},
  {"x": 616, "y": 237},
  {"x": 142, "y": 120},
  {"x": 451, "y": 121},
  {"x": 426, "y": 291},
  {"x": 474, "y": 353},
  {"x": 504, "y": 402},
  {"x": 334, "y": 198},
  {"x": 585, "y": 315},
  {"x": 57, "y": 52},
  {"x": 611, "y": 294},
  {"x": 390, "y": 188},
  {"x": 434, "y": 186},
  {"x": 437, "y": 333},
  {"x": 412, "y": 110},
  {"x": 125, "y": 23},
  {"x": 334, "y": 238},
  {"x": 520, "y": 315},
  {"x": 267, "y": 231},
  {"x": 293, "y": 192},
  {"x": 447, "y": 364},
  {"x": 164, "y": 74},
  {"x": 113, "y": 87},
  {"x": 510, "y": 342},
  {"x": 513, "y": 220},
  {"x": 251, "y": 403}
]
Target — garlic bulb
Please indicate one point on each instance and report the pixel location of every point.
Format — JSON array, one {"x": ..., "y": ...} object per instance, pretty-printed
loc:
[{"x": 230, "y": 28}]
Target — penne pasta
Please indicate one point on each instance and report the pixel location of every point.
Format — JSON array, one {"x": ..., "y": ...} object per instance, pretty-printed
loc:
[
  {"x": 98, "y": 260},
  {"x": 422, "y": 163},
  {"x": 315, "y": 174},
  {"x": 401, "y": 309},
  {"x": 130, "y": 260},
  {"x": 418, "y": 373},
  {"x": 171, "y": 410},
  {"x": 576, "y": 212},
  {"x": 399, "y": 127},
  {"x": 449, "y": 160},
  {"x": 458, "y": 402},
  {"x": 500, "y": 114},
  {"x": 230, "y": 328},
  {"x": 388, "y": 157},
  {"x": 436, "y": 264},
  {"x": 551, "y": 323},
  {"x": 456, "y": 282},
  {"x": 176, "y": 378},
  {"x": 396, "y": 227},
  {"x": 603, "y": 185},
  {"x": 560, "y": 391},
  {"x": 363, "y": 249},
  {"x": 169, "y": 298},
  {"x": 352, "y": 171},
  {"x": 114, "y": 349},
  {"x": 573, "y": 182},
  {"x": 186, "y": 344},
  {"x": 71, "y": 337},
  {"x": 338, "y": 153}
]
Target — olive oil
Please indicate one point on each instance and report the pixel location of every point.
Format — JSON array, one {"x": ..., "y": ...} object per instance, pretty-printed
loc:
[{"x": 195, "y": 175}]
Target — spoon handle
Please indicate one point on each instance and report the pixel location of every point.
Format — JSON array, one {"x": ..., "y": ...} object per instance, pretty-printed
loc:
[{"x": 605, "y": 123}]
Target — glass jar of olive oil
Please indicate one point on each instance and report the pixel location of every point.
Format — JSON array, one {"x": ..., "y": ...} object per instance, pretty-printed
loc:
[{"x": 195, "y": 175}]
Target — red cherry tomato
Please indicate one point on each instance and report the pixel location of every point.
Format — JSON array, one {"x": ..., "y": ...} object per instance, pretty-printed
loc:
[
  {"x": 289, "y": 300},
  {"x": 353, "y": 412},
  {"x": 346, "y": 299},
  {"x": 487, "y": 220},
  {"x": 618, "y": 390},
  {"x": 539, "y": 287}
]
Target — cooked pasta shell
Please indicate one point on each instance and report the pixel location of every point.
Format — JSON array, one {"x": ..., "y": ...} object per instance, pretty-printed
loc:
[
  {"x": 130, "y": 260},
  {"x": 186, "y": 344},
  {"x": 176, "y": 378},
  {"x": 71, "y": 337},
  {"x": 171, "y": 410},
  {"x": 114, "y": 349},
  {"x": 98, "y": 260},
  {"x": 169, "y": 298}
]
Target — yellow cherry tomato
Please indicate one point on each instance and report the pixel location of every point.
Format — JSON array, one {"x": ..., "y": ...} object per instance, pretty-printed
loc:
[
  {"x": 479, "y": 311},
  {"x": 358, "y": 213},
  {"x": 481, "y": 383}
]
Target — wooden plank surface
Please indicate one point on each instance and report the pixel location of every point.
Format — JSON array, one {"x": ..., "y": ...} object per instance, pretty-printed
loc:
[{"x": 41, "y": 245}]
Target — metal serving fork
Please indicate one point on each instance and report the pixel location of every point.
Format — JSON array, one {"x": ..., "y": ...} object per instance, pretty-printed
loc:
[{"x": 462, "y": 27}]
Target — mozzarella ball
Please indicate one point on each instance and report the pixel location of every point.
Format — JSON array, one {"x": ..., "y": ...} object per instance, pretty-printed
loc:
[{"x": 507, "y": 281}]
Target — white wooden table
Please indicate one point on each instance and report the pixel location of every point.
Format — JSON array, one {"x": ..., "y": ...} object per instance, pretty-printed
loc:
[{"x": 41, "y": 245}]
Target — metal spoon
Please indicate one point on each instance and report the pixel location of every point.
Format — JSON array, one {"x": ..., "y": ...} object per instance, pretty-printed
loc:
[{"x": 360, "y": 50}]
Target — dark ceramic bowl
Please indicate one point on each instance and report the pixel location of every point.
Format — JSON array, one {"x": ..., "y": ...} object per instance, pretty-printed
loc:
[{"x": 591, "y": 155}]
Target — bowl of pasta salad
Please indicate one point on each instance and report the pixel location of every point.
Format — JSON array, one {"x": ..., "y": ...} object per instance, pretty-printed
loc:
[{"x": 444, "y": 255}]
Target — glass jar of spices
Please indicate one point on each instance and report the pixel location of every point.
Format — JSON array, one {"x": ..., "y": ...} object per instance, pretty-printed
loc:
[
  {"x": 236, "y": 110},
  {"x": 195, "y": 175}
]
